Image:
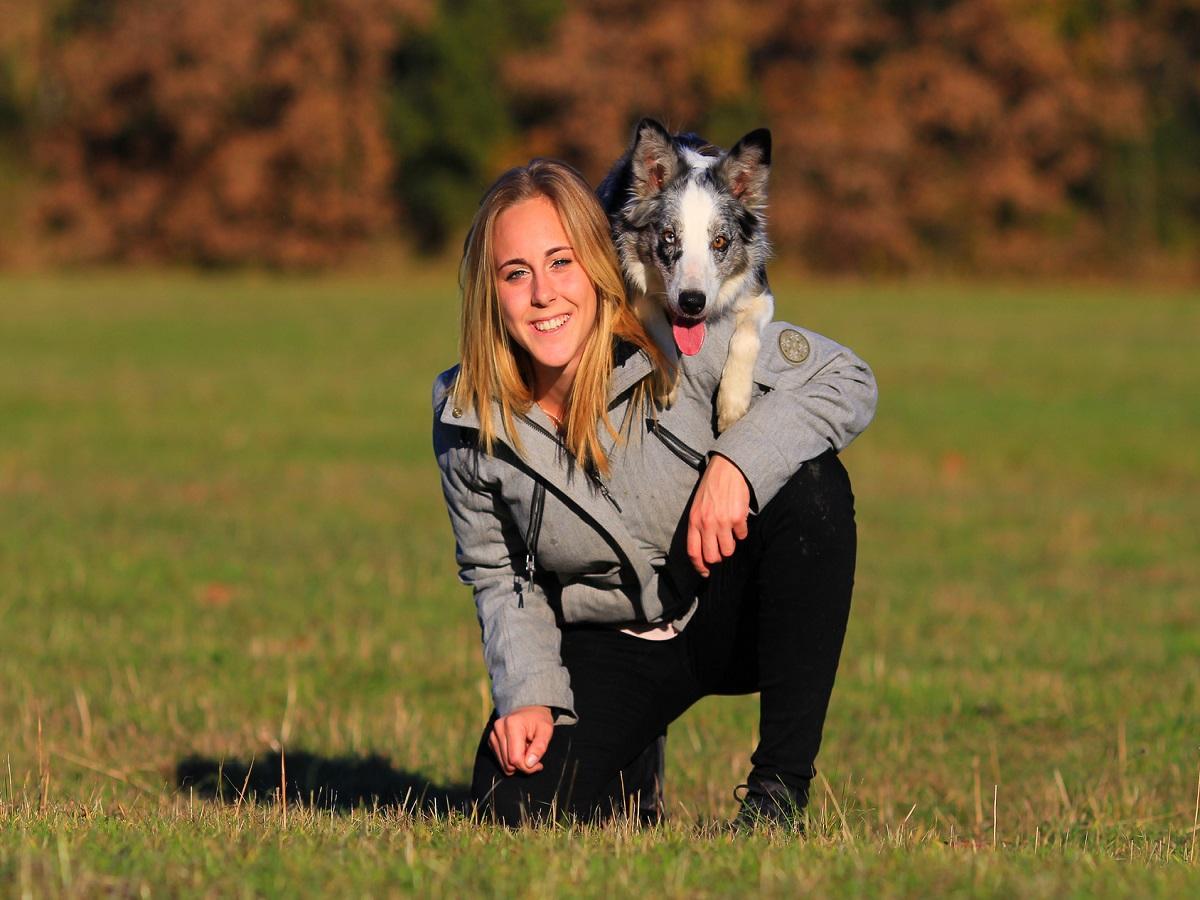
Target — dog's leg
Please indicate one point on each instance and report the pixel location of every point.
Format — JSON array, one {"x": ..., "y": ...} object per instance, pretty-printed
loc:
[
  {"x": 659, "y": 328},
  {"x": 737, "y": 378}
]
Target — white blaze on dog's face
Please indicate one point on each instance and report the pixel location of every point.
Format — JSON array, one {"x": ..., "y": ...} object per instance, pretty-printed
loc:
[{"x": 694, "y": 281}]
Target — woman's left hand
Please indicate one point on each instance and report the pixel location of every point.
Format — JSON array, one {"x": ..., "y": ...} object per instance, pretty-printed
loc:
[
  {"x": 520, "y": 739},
  {"x": 717, "y": 520}
]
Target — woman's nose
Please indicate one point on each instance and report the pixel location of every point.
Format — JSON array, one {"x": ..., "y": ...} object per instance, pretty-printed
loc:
[{"x": 543, "y": 293}]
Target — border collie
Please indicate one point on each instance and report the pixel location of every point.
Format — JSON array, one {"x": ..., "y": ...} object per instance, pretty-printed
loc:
[{"x": 689, "y": 222}]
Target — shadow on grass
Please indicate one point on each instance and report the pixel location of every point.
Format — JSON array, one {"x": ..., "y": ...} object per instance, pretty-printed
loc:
[{"x": 341, "y": 782}]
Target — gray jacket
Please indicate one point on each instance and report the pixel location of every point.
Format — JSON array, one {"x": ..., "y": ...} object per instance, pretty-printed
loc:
[{"x": 544, "y": 543}]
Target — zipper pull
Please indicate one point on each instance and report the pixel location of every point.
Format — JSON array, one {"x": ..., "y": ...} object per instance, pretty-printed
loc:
[
  {"x": 603, "y": 489},
  {"x": 609, "y": 497},
  {"x": 520, "y": 588}
]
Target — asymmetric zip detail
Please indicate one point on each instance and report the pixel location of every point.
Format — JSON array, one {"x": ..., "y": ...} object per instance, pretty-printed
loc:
[
  {"x": 692, "y": 457},
  {"x": 592, "y": 476},
  {"x": 531, "y": 536}
]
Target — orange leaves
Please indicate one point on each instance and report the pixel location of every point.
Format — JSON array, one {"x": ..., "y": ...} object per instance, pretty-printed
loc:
[
  {"x": 222, "y": 132},
  {"x": 906, "y": 135},
  {"x": 976, "y": 134}
]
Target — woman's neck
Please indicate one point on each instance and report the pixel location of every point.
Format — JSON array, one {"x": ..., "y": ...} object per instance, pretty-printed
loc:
[
  {"x": 554, "y": 407},
  {"x": 551, "y": 388}
]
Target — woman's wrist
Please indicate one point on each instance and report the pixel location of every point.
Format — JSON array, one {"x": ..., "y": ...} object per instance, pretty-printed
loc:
[{"x": 535, "y": 710}]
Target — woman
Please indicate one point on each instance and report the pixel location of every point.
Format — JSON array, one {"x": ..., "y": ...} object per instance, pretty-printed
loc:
[{"x": 606, "y": 608}]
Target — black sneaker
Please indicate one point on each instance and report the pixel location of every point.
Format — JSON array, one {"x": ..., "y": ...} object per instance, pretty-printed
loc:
[{"x": 768, "y": 804}]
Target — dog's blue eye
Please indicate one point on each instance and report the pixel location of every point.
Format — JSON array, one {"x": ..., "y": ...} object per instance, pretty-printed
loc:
[{"x": 668, "y": 236}]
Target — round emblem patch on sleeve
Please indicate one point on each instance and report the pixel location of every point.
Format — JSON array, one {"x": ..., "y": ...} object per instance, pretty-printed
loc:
[{"x": 793, "y": 345}]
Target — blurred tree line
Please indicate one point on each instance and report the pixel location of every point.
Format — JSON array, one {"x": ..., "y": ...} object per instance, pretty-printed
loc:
[{"x": 981, "y": 135}]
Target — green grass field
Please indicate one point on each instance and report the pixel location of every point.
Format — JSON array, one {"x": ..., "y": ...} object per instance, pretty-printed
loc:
[{"x": 221, "y": 534}]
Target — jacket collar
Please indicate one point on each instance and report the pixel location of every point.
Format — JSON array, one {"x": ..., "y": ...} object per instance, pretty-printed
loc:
[{"x": 630, "y": 365}]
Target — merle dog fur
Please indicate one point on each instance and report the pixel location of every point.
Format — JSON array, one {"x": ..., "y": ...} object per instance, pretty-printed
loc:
[{"x": 689, "y": 223}]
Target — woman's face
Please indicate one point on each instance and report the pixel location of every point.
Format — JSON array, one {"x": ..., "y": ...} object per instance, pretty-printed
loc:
[{"x": 547, "y": 300}]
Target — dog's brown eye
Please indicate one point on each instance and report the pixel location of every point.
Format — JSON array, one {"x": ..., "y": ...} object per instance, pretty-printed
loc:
[
  {"x": 668, "y": 236},
  {"x": 720, "y": 242}
]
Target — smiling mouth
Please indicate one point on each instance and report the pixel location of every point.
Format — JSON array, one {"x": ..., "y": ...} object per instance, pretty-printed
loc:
[{"x": 547, "y": 325}]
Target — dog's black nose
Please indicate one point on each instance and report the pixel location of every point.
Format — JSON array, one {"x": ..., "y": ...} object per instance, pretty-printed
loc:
[{"x": 691, "y": 303}]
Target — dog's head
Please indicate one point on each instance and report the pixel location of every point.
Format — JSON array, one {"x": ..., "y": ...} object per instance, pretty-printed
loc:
[{"x": 692, "y": 224}]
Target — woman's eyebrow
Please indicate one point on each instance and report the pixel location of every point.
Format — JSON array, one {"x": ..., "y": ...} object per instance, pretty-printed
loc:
[{"x": 517, "y": 261}]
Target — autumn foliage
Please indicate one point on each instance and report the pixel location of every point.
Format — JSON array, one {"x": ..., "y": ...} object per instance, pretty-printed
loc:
[
  {"x": 222, "y": 131},
  {"x": 906, "y": 133},
  {"x": 982, "y": 135}
]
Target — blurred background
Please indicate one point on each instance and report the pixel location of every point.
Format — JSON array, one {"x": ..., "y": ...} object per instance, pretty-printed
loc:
[
  {"x": 228, "y": 231},
  {"x": 977, "y": 136}
]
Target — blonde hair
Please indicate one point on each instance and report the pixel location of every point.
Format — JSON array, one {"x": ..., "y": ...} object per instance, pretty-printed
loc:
[{"x": 495, "y": 368}]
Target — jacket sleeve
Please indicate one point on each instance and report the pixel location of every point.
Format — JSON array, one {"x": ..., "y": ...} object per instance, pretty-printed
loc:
[
  {"x": 520, "y": 635},
  {"x": 819, "y": 396}
]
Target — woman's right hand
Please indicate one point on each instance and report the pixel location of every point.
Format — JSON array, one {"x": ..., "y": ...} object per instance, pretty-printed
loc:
[
  {"x": 520, "y": 739},
  {"x": 717, "y": 518}
]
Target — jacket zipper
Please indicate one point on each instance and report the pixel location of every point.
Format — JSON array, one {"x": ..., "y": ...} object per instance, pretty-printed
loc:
[
  {"x": 595, "y": 479},
  {"x": 692, "y": 457},
  {"x": 532, "y": 533},
  {"x": 600, "y": 485},
  {"x": 534, "y": 529}
]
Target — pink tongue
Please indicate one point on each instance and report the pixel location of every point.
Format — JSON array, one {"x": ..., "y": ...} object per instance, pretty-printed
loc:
[{"x": 689, "y": 337}]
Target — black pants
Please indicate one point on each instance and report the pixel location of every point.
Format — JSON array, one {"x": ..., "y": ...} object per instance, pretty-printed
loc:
[{"x": 771, "y": 618}]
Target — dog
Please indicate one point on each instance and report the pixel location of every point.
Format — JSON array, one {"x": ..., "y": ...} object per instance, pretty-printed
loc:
[{"x": 689, "y": 223}]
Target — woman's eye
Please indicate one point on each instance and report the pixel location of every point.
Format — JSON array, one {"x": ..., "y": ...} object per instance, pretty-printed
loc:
[
  {"x": 668, "y": 236},
  {"x": 560, "y": 262},
  {"x": 720, "y": 242},
  {"x": 513, "y": 274}
]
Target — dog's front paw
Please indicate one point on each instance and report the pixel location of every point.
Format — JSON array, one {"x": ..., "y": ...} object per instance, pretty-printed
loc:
[{"x": 731, "y": 406}]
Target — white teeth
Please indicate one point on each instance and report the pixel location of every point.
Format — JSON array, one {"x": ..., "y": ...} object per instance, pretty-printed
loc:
[{"x": 552, "y": 324}]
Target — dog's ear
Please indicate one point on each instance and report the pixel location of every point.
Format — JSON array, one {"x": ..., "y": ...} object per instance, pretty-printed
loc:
[
  {"x": 653, "y": 158},
  {"x": 746, "y": 166}
]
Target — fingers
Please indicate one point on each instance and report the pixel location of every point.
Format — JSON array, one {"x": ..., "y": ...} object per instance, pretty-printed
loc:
[
  {"x": 726, "y": 543},
  {"x": 741, "y": 529},
  {"x": 710, "y": 542},
  {"x": 537, "y": 747},
  {"x": 516, "y": 743},
  {"x": 519, "y": 740},
  {"x": 498, "y": 741},
  {"x": 717, "y": 519},
  {"x": 694, "y": 549}
]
